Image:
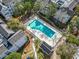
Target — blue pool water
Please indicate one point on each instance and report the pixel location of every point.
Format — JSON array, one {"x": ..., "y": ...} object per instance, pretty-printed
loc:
[{"x": 39, "y": 26}]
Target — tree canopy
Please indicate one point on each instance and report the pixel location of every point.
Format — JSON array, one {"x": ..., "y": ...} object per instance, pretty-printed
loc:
[
  {"x": 15, "y": 24},
  {"x": 28, "y": 6},
  {"x": 19, "y": 9},
  {"x": 73, "y": 26},
  {"x": 13, "y": 55},
  {"x": 52, "y": 8},
  {"x": 77, "y": 23},
  {"x": 72, "y": 39},
  {"x": 40, "y": 55},
  {"x": 66, "y": 51},
  {"x": 77, "y": 9},
  {"x": 31, "y": 6},
  {"x": 36, "y": 7}
]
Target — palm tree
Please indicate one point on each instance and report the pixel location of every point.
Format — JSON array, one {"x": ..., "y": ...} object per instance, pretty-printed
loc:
[
  {"x": 15, "y": 24},
  {"x": 37, "y": 43},
  {"x": 52, "y": 9},
  {"x": 36, "y": 7},
  {"x": 28, "y": 7},
  {"x": 40, "y": 54},
  {"x": 13, "y": 55},
  {"x": 77, "y": 9},
  {"x": 19, "y": 9}
]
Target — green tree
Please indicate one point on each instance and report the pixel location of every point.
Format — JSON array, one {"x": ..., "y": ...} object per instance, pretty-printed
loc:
[
  {"x": 28, "y": 7},
  {"x": 52, "y": 9},
  {"x": 31, "y": 1},
  {"x": 13, "y": 55},
  {"x": 66, "y": 51},
  {"x": 72, "y": 39},
  {"x": 77, "y": 23},
  {"x": 37, "y": 43},
  {"x": 15, "y": 24},
  {"x": 19, "y": 9},
  {"x": 40, "y": 54},
  {"x": 70, "y": 27},
  {"x": 73, "y": 26},
  {"x": 77, "y": 9},
  {"x": 36, "y": 7}
]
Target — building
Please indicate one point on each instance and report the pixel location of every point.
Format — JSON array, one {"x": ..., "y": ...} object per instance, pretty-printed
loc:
[
  {"x": 6, "y": 8},
  {"x": 10, "y": 2},
  {"x": 64, "y": 17},
  {"x": 61, "y": 20},
  {"x": 69, "y": 4},
  {"x": 2, "y": 46},
  {"x": 5, "y": 31},
  {"x": 5, "y": 11},
  {"x": 66, "y": 10},
  {"x": 18, "y": 35},
  {"x": 14, "y": 43}
]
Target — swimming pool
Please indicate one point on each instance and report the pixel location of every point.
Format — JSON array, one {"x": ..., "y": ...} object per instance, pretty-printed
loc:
[{"x": 37, "y": 25}]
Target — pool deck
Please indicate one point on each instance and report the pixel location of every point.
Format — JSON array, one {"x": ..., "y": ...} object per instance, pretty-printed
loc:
[{"x": 42, "y": 37}]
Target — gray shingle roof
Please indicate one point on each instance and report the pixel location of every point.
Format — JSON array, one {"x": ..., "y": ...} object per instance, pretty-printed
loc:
[
  {"x": 5, "y": 31},
  {"x": 64, "y": 17},
  {"x": 6, "y": 2},
  {"x": 2, "y": 49},
  {"x": 17, "y": 40},
  {"x": 72, "y": 5},
  {"x": 0, "y": 7},
  {"x": 16, "y": 37}
]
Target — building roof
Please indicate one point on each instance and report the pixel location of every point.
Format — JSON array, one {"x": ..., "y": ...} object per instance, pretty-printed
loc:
[
  {"x": 7, "y": 2},
  {"x": 77, "y": 0},
  {"x": 2, "y": 49},
  {"x": 17, "y": 41},
  {"x": 65, "y": 3},
  {"x": 72, "y": 5},
  {"x": 64, "y": 17},
  {"x": 5, "y": 12},
  {"x": 1, "y": 39},
  {"x": 5, "y": 31},
  {"x": 0, "y": 7},
  {"x": 16, "y": 37}
]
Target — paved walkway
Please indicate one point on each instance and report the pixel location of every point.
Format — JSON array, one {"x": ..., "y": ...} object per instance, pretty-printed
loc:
[{"x": 34, "y": 49}]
